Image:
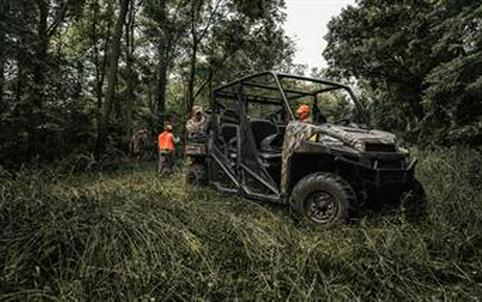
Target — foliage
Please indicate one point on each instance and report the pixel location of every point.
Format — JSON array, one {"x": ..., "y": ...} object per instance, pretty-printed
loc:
[
  {"x": 77, "y": 75},
  {"x": 93, "y": 227},
  {"x": 420, "y": 63},
  {"x": 131, "y": 235}
]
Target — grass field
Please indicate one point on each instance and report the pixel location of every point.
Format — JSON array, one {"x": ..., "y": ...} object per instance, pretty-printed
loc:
[{"x": 131, "y": 235}]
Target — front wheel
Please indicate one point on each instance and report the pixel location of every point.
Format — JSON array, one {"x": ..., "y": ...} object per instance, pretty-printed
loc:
[{"x": 322, "y": 199}]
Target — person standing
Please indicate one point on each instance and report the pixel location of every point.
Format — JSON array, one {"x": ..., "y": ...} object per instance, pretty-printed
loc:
[
  {"x": 166, "y": 142},
  {"x": 139, "y": 144},
  {"x": 195, "y": 125}
]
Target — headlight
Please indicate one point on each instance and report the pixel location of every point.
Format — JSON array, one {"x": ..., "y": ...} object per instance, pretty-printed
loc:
[
  {"x": 401, "y": 149},
  {"x": 360, "y": 146}
]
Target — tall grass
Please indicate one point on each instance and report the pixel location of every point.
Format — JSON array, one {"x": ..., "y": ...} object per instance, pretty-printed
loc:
[{"x": 132, "y": 235}]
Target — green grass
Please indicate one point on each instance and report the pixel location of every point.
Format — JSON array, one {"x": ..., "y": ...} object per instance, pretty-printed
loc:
[{"x": 131, "y": 235}]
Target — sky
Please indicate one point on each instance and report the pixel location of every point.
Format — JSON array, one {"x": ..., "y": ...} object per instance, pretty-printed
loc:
[{"x": 306, "y": 24}]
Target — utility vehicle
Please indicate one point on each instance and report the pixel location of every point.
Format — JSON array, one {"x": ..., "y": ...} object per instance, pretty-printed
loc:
[{"x": 325, "y": 170}]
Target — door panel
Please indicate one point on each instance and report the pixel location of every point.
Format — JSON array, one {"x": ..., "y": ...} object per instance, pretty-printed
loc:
[{"x": 223, "y": 162}]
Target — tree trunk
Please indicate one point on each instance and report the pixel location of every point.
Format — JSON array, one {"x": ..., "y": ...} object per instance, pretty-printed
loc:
[
  {"x": 2, "y": 68},
  {"x": 99, "y": 63},
  {"x": 36, "y": 118},
  {"x": 161, "y": 83},
  {"x": 113, "y": 59},
  {"x": 210, "y": 89},
  {"x": 192, "y": 78},
  {"x": 195, "y": 12},
  {"x": 95, "y": 58},
  {"x": 161, "y": 92},
  {"x": 163, "y": 54},
  {"x": 21, "y": 78},
  {"x": 129, "y": 52},
  {"x": 3, "y": 8}
]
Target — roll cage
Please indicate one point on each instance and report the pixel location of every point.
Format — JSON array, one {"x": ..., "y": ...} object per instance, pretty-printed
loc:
[
  {"x": 238, "y": 160},
  {"x": 276, "y": 88}
]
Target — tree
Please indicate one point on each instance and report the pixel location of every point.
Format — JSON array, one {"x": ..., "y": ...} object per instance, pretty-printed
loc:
[
  {"x": 234, "y": 36},
  {"x": 100, "y": 32},
  {"x": 202, "y": 15},
  {"x": 27, "y": 29},
  {"x": 2, "y": 56},
  {"x": 129, "y": 51},
  {"x": 400, "y": 50},
  {"x": 454, "y": 85},
  {"x": 77, "y": 77},
  {"x": 163, "y": 26},
  {"x": 113, "y": 57}
]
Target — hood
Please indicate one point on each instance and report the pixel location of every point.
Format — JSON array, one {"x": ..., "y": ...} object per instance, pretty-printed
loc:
[{"x": 356, "y": 137}]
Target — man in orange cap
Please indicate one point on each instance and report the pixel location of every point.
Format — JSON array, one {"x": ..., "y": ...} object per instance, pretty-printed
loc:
[
  {"x": 166, "y": 149},
  {"x": 304, "y": 113}
]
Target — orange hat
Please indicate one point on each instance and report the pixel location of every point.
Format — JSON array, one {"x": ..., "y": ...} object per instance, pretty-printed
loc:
[{"x": 303, "y": 109}]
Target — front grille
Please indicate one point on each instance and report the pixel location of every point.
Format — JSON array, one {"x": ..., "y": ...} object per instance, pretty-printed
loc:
[
  {"x": 383, "y": 177},
  {"x": 392, "y": 177},
  {"x": 370, "y": 147}
]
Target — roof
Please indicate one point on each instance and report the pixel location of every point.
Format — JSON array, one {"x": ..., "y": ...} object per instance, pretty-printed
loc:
[
  {"x": 275, "y": 87},
  {"x": 267, "y": 84}
]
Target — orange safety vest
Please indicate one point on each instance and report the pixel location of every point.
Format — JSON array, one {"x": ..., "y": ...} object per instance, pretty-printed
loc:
[{"x": 166, "y": 141}]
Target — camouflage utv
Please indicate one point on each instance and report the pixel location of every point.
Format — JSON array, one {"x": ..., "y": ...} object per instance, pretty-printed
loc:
[{"x": 326, "y": 170}]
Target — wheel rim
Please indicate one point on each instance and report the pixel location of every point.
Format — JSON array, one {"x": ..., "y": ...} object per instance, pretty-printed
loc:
[
  {"x": 192, "y": 179},
  {"x": 195, "y": 176},
  {"x": 321, "y": 207}
]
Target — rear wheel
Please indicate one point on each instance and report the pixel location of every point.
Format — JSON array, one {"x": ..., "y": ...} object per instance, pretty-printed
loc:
[
  {"x": 196, "y": 175},
  {"x": 322, "y": 199},
  {"x": 413, "y": 201}
]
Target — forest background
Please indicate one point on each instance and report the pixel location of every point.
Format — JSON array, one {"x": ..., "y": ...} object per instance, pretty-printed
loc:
[
  {"x": 80, "y": 221},
  {"x": 79, "y": 77}
]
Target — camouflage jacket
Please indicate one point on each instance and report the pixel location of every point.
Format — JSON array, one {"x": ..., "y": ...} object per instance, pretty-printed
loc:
[
  {"x": 194, "y": 127},
  {"x": 138, "y": 143}
]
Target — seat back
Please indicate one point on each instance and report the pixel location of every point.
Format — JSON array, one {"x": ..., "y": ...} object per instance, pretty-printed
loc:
[
  {"x": 261, "y": 129},
  {"x": 228, "y": 132}
]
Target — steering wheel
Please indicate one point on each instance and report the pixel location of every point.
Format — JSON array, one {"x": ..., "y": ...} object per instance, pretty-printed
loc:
[
  {"x": 233, "y": 143},
  {"x": 343, "y": 121},
  {"x": 347, "y": 122}
]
